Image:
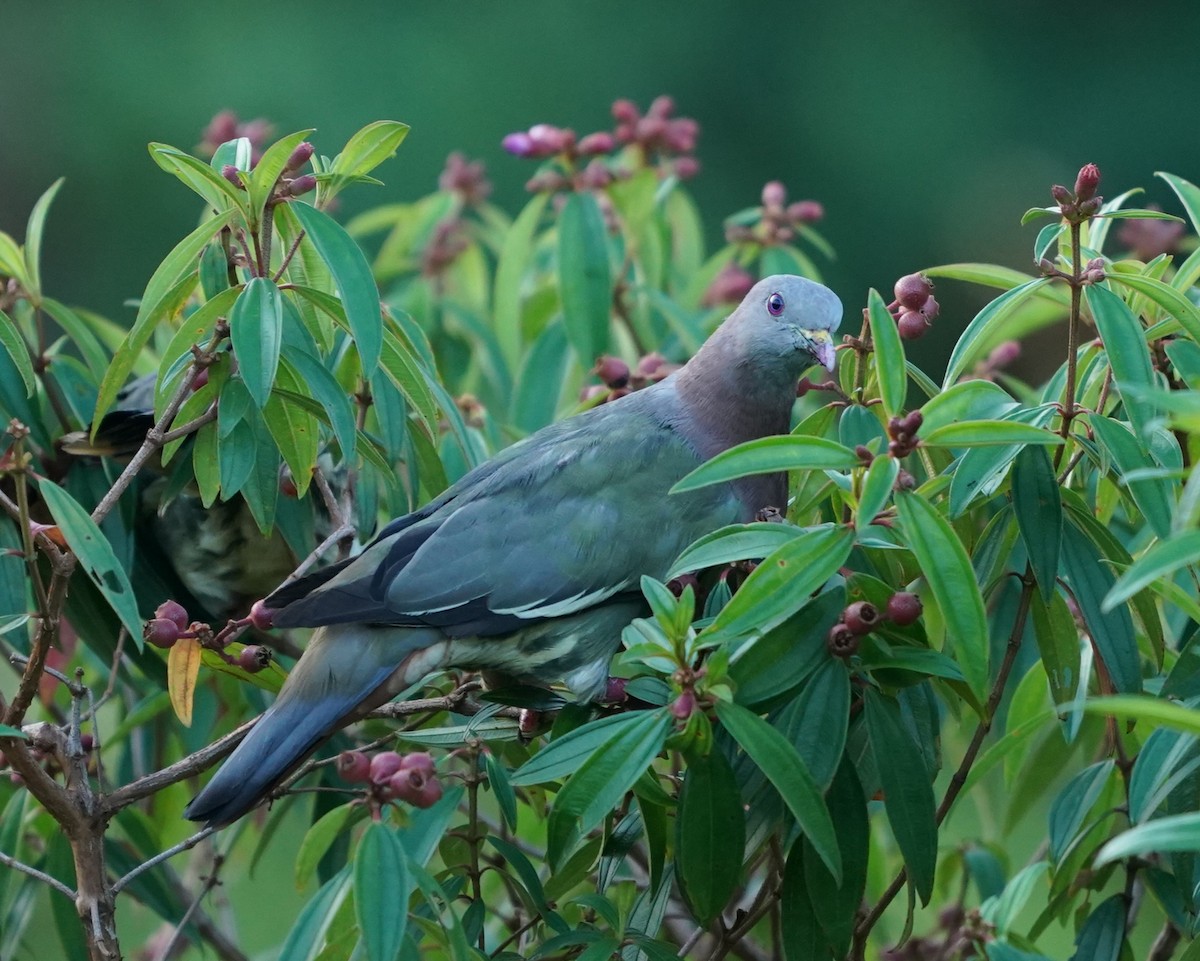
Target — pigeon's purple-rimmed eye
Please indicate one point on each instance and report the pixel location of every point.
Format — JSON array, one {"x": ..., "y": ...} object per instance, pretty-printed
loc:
[{"x": 775, "y": 304}]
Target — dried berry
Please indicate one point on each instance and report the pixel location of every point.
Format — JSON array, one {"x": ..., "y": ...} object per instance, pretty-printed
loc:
[
  {"x": 161, "y": 632},
  {"x": 861, "y": 617},
  {"x": 903, "y": 608},
  {"x": 173, "y": 611},
  {"x": 353, "y": 766},
  {"x": 912, "y": 290}
]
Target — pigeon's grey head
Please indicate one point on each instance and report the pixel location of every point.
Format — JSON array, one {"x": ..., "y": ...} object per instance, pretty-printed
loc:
[{"x": 787, "y": 321}]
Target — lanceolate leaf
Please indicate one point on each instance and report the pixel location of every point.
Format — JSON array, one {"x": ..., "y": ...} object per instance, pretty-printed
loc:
[
  {"x": 988, "y": 433},
  {"x": 907, "y": 793},
  {"x": 768, "y": 455},
  {"x": 780, "y": 584},
  {"x": 33, "y": 236},
  {"x": 1128, "y": 454},
  {"x": 734, "y": 543},
  {"x": 778, "y": 760},
  {"x": 1103, "y": 934},
  {"x": 1125, "y": 347},
  {"x": 1072, "y": 805},
  {"x": 510, "y": 271},
  {"x": 836, "y": 904},
  {"x": 256, "y": 330},
  {"x": 1039, "y": 513},
  {"x": 890, "y": 368},
  {"x": 947, "y": 568},
  {"x": 710, "y": 835},
  {"x": 183, "y": 667},
  {"x": 356, "y": 286},
  {"x": 876, "y": 489},
  {"x": 382, "y": 887},
  {"x": 12, "y": 342},
  {"x": 585, "y": 280},
  {"x": 95, "y": 555},
  {"x": 1178, "y": 832},
  {"x": 979, "y": 330},
  {"x": 1166, "y": 296},
  {"x": 1160, "y": 560}
]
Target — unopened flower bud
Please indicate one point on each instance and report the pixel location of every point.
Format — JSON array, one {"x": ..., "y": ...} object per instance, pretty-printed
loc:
[
  {"x": 614, "y": 691},
  {"x": 864, "y": 454},
  {"x": 905, "y": 481},
  {"x": 684, "y": 706},
  {"x": 173, "y": 611},
  {"x": 599, "y": 142},
  {"x": 680, "y": 135},
  {"x": 161, "y": 632},
  {"x": 518, "y": 144},
  {"x": 1004, "y": 354},
  {"x": 1088, "y": 208},
  {"x": 353, "y": 766},
  {"x": 650, "y": 363},
  {"x": 1061, "y": 194},
  {"x": 231, "y": 173},
  {"x": 612, "y": 370},
  {"x": 677, "y": 585},
  {"x": 548, "y": 139},
  {"x": 302, "y": 185},
  {"x": 805, "y": 212},
  {"x": 301, "y": 155},
  {"x": 662, "y": 106},
  {"x": 774, "y": 194},
  {"x": 912, "y": 422},
  {"x": 1087, "y": 182},
  {"x": 686, "y": 167},
  {"x": 625, "y": 111}
]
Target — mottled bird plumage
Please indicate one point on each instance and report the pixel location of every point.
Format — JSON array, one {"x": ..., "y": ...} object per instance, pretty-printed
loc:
[{"x": 530, "y": 565}]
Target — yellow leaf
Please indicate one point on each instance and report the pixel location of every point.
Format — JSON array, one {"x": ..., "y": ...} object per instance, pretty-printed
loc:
[{"x": 183, "y": 665}]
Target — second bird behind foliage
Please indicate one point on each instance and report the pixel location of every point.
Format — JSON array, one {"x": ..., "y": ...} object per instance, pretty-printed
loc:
[{"x": 529, "y": 566}]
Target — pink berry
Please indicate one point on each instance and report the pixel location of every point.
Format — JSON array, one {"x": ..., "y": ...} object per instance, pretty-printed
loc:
[
  {"x": 903, "y": 608},
  {"x": 841, "y": 642},
  {"x": 912, "y": 290},
  {"x": 173, "y": 611},
  {"x": 161, "y": 632},
  {"x": 612, "y": 370},
  {"x": 417, "y": 761},
  {"x": 383, "y": 766},
  {"x": 861, "y": 617},
  {"x": 253, "y": 658},
  {"x": 353, "y": 766},
  {"x": 261, "y": 616},
  {"x": 912, "y": 325}
]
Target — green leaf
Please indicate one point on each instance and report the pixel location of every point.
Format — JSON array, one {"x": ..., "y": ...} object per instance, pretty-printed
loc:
[
  {"x": 502, "y": 790},
  {"x": 1091, "y": 581},
  {"x": 382, "y": 887},
  {"x": 1129, "y": 454},
  {"x": 510, "y": 274},
  {"x": 877, "y": 486},
  {"x": 1103, "y": 934},
  {"x": 816, "y": 722},
  {"x": 256, "y": 331},
  {"x": 295, "y": 431},
  {"x": 166, "y": 292},
  {"x": 564, "y": 755},
  {"x": 213, "y": 188},
  {"x": 1166, "y": 296},
  {"x": 602, "y": 780},
  {"x": 268, "y": 170},
  {"x": 981, "y": 470},
  {"x": 403, "y": 370},
  {"x": 769, "y": 455},
  {"x": 318, "y": 838},
  {"x": 1166, "y": 758},
  {"x": 328, "y": 392},
  {"x": 890, "y": 366},
  {"x": 1152, "y": 710},
  {"x": 710, "y": 835},
  {"x": 1039, "y": 513},
  {"x": 1002, "y": 911},
  {"x": 778, "y": 760},
  {"x": 307, "y": 935},
  {"x": 14, "y": 343},
  {"x": 1057, "y": 638},
  {"x": 1160, "y": 560},
  {"x": 1072, "y": 805},
  {"x": 946, "y": 566},
  {"x": 94, "y": 354},
  {"x": 836, "y": 905},
  {"x": 780, "y": 584},
  {"x": 356, "y": 286},
  {"x": 907, "y": 793},
  {"x": 982, "y": 328},
  {"x": 1047, "y": 237},
  {"x": 33, "y": 237},
  {"x": 7, "y": 730},
  {"x": 733, "y": 543},
  {"x": 800, "y": 931},
  {"x": 95, "y": 554},
  {"x": 1188, "y": 194},
  {"x": 968, "y": 400},
  {"x": 989, "y": 433},
  {"x": 364, "y": 151},
  {"x": 585, "y": 280},
  {"x": 1125, "y": 346},
  {"x": 1177, "y": 832}
]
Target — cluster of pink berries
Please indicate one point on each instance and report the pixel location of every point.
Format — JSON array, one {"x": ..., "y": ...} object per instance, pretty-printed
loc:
[
  {"x": 619, "y": 380},
  {"x": 466, "y": 178},
  {"x": 778, "y": 221},
  {"x": 915, "y": 307},
  {"x": 392, "y": 776},
  {"x": 171, "y": 622},
  {"x": 584, "y": 163},
  {"x": 862, "y": 617}
]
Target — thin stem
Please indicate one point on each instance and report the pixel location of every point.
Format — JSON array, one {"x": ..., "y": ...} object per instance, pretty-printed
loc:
[
  {"x": 1076, "y": 283},
  {"x": 287, "y": 258},
  {"x": 170, "y": 852},
  {"x": 35, "y": 873}
]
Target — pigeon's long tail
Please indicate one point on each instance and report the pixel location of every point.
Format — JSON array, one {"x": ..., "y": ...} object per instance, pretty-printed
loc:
[{"x": 343, "y": 673}]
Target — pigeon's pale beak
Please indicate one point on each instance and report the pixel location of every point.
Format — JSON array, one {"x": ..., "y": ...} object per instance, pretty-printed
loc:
[{"x": 820, "y": 345}]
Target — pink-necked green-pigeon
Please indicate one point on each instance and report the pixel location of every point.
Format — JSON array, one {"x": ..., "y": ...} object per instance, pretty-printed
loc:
[{"x": 529, "y": 566}]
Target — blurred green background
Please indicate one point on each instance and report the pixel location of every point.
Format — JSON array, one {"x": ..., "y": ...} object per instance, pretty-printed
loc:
[{"x": 926, "y": 128}]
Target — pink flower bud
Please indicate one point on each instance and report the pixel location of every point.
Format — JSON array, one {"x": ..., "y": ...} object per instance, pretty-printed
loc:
[
  {"x": 302, "y": 185},
  {"x": 805, "y": 212},
  {"x": 662, "y": 106},
  {"x": 299, "y": 156},
  {"x": 231, "y": 173},
  {"x": 686, "y": 167},
  {"x": 912, "y": 325},
  {"x": 518, "y": 144},
  {"x": 418, "y": 761},
  {"x": 903, "y": 608},
  {"x": 684, "y": 706},
  {"x": 612, "y": 370},
  {"x": 912, "y": 290},
  {"x": 625, "y": 111},
  {"x": 594, "y": 143},
  {"x": 774, "y": 195},
  {"x": 1087, "y": 182}
]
